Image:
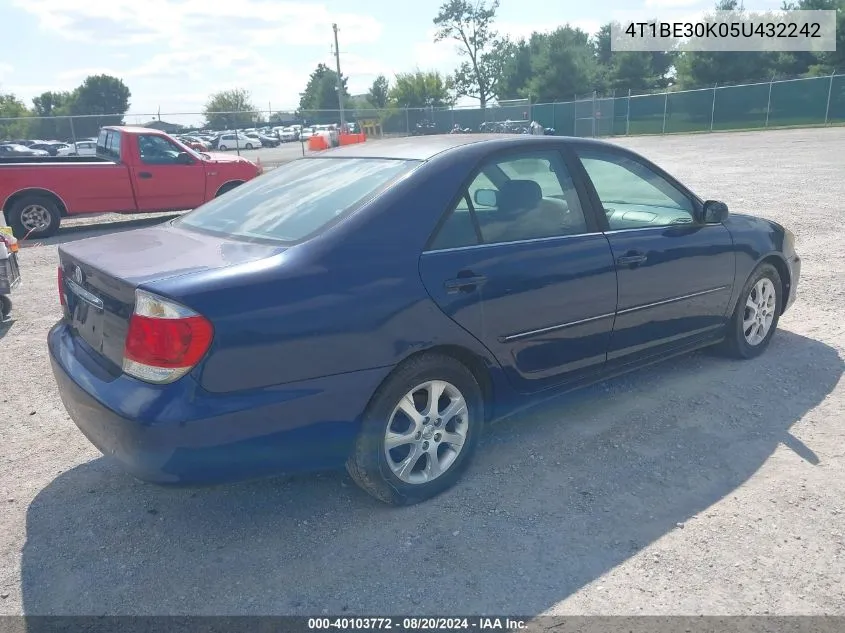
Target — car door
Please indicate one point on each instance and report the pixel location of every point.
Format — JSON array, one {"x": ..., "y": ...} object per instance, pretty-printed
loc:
[
  {"x": 162, "y": 181},
  {"x": 519, "y": 264},
  {"x": 675, "y": 273}
]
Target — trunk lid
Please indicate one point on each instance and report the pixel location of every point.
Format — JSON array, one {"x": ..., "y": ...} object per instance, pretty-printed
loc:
[{"x": 102, "y": 273}]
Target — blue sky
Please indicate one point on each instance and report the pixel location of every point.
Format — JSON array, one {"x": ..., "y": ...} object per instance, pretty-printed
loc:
[{"x": 173, "y": 53}]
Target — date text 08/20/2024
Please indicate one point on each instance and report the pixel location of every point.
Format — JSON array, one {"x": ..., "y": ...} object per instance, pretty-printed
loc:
[{"x": 416, "y": 623}]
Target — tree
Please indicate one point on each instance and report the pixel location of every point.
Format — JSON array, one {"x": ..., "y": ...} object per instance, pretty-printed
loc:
[
  {"x": 51, "y": 105},
  {"x": 565, "y": 65},
  {"x": 320, "y": 100},
  {"x": 516, "y": 67},
  {"x": 420, "y": 89},
  {"x": 696, "y": 69},
  {"x": 470, "y": 24},
  {"x": 101, "y": 95},
  {"x": 631, "y": 70},
  {"x": 822, "y": 63},
  {"x": 13, "y": 108},
  {"x": 378, "y": 92},
  {"x": 230, "y": 109}
]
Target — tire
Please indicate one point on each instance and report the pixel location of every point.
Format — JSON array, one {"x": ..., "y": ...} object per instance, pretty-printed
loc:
[
  {"x": 737, "y": 344},
  {"x": 222, "y": 148},
  {"x": 248, "y": 146},
  {"x": 5, "y": 307},
  {"x": 21, "y": 221},
  {"x": 369, "y": 465}
]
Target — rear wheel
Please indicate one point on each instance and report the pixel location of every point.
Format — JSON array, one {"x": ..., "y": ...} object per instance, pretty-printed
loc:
[
  {"x": 34, "y": 217},
  {"x": 222, "y": 147},
  {"x": 248, "y": 146},
  {"x": 419, "y": 431},
  {"x": 756, "y": 316}
]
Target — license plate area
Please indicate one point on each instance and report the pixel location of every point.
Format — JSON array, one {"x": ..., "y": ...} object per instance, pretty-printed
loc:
[{"x": 87, "y": 314}]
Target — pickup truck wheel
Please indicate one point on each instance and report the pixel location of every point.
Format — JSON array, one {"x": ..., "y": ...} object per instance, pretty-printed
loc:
[{"x": 34, "y": 217}]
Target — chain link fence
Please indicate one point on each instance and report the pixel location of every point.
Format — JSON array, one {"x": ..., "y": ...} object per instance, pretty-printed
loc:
[{"x": 783, "y": 103}]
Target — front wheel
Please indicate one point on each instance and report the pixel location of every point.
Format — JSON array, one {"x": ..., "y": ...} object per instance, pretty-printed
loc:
[
  {"x": 222, "y": 148},
  {"x": 248, "y": 146},
  {"x": 419, "y": 431},
  {"x": 756, "y": 316}
]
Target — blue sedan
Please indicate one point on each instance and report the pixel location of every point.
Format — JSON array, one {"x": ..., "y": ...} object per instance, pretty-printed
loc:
[{"x": 375, "y": 306}]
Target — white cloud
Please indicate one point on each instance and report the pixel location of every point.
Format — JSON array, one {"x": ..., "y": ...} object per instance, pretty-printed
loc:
[
  {"x": 671, "y": 4},
  {"x": 262, "y": 22},
  {"x": 516, "y": 30}
]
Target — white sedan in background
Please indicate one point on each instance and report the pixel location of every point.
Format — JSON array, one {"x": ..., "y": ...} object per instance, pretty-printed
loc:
[
  {"x": 237, "y": 141},
  {"x": 80, "y": 148}
]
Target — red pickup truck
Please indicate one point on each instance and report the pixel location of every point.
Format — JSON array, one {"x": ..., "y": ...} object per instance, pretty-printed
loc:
[{"x": 136, "y": 170}]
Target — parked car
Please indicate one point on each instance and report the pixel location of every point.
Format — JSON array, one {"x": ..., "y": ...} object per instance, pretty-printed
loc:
[
  {"x": 11, "y": 150},
  {"x": 377, "y": 305},
  {"x": 262, "y": 139},
  {"x": 424, "y": 128},
  {"x": 236, "y": 141},
  {"x": 80, "y": 148},
  {"x": 51, "y": 147},
  {"x": 135, "y": 170},
  {"x": 269, "y": 140},
  {"x": 195, "y": 143}
]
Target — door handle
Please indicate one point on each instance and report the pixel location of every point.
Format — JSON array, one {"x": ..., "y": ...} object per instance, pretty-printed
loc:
[
  {"x": 144, "y": 174},
  {"x": 631, "y": 260},
  {"x": 464, "y": 284}
]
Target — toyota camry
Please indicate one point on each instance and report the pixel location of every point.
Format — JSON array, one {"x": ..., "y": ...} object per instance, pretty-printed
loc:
[{"x": 377, "y": 305}]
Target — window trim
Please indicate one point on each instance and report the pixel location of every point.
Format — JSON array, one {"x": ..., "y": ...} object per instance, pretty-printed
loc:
[
  {"x": 595, "y": 201},
  {"x": 577, "y": 176}
]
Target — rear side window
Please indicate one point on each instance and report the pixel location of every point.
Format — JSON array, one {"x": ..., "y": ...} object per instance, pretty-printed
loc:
[
  {"x": 108, "y": 144},
  {"x": 298, "y": 199}
]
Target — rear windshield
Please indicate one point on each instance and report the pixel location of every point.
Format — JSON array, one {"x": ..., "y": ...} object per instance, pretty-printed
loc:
[{"x": 298, "y": 199}]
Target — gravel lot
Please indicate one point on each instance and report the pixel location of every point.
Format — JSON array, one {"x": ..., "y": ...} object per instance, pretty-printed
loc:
[{"x": 701, "y": 486}]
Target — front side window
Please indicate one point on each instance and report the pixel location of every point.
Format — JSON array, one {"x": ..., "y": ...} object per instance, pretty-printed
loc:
[
  {"x": 298, "y": 199},
  {"x": 157, "y": 150},
  {"x": 632, "y": 195},
  {"x": 522, "y": 197}
]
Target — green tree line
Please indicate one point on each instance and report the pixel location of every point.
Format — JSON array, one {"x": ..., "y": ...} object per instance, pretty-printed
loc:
[{"x": 48, "y": 117}]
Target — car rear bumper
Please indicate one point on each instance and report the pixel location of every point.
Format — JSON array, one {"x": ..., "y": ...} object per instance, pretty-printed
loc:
[{"x": 179, "y": 433}]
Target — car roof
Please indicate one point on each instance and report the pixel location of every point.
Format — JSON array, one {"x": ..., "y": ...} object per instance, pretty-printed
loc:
[{"x": 426, "y": 147}]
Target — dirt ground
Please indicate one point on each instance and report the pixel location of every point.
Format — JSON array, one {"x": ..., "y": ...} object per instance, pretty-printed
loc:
[{"x": 701, "y": 486}]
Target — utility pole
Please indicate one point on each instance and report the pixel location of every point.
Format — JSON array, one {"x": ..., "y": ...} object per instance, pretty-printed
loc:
[{"x": 339, "y": 78}]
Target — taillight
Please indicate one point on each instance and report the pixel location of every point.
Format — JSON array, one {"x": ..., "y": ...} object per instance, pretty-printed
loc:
[
  {"x": 61, "y": 280},
  {"x": 165, "y": 339}
]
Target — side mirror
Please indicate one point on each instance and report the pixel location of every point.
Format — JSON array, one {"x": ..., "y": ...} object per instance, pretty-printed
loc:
[
  {"x": 184, "y": 158},
  {"x": 715, "y": 212},
  {"x": 486, "y": 197}
]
